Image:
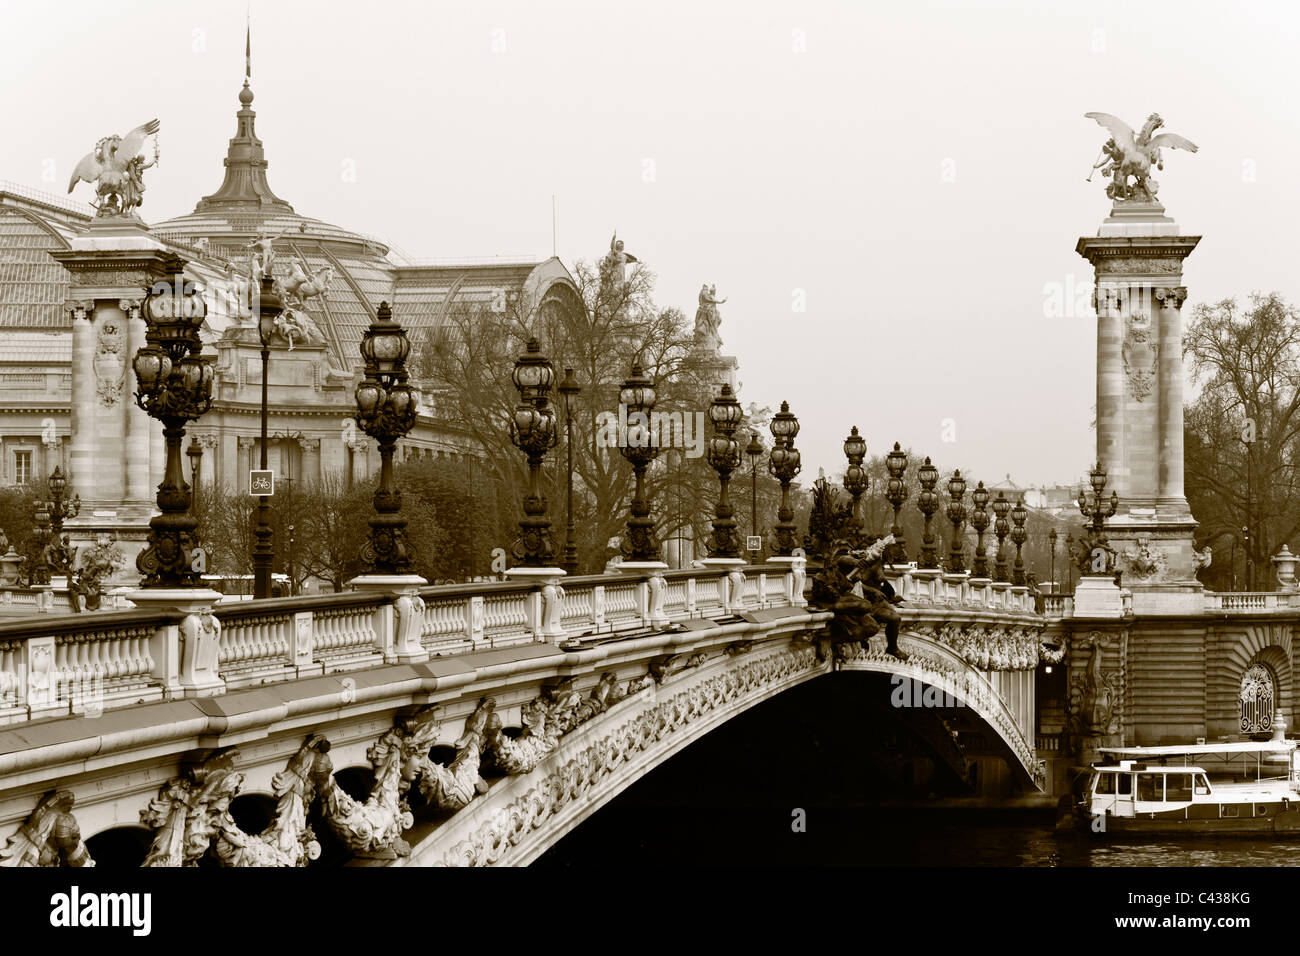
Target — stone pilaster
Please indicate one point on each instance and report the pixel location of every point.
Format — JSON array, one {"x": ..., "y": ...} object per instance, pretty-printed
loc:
[{"x": 137, "y": 450}]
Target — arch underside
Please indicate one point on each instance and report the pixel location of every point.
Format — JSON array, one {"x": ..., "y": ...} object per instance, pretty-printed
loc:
[{"x": 523, "y": 816}]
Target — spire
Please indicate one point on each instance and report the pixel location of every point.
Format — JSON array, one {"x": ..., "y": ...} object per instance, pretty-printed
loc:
[{"x": 245, "y": 183}]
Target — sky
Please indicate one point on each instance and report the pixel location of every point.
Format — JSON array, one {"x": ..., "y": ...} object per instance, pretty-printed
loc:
[{"x": 888, "y": 195}]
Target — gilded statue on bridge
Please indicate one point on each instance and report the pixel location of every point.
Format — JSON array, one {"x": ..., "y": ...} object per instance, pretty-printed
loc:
[{"x": 1129, "y": 156}]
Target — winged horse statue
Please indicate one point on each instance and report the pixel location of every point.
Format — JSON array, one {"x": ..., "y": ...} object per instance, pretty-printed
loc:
[
  {"x": 116, "y": 168},
  {"x": 1128, "y": 156}
]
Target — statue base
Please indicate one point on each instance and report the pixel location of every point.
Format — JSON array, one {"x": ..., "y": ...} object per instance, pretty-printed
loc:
[
  {"x": 1098, "y": 596},
  {"x": 1129, "y": 218},
  {"x": 536, "y": 575}
]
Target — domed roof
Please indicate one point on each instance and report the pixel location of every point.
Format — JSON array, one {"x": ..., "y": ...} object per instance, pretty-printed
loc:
[{"x": 245, "y": 208}]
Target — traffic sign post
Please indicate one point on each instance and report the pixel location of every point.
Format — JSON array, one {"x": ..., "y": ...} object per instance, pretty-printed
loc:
[{"x": 261, "y": 482}]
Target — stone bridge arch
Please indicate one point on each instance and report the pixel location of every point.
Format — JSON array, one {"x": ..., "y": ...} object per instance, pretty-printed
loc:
[
  {"x": 523, "y": 816},
  {"x": 1240, "y": 645}
]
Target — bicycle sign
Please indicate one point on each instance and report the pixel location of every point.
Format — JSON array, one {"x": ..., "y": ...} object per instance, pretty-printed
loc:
[{"x": 261, "y": 482}]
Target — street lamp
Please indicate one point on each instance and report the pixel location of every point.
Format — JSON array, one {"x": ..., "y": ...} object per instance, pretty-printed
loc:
[
  {"x": 783, "y": 464},
  {"x": 928, "y": 502},
  {"x": 1069, "y": 562},
  {"x": 175, "y": 387},
  {"x": 60, "y": 506},
  {"x": 638, "y": 396},
  {"x": 40, "y": 569},
  {"x": 896, "y": 494},
  {"x": 1001, "y": 527},
  {"x": 1019, "y": 514},
  {"x": 754, "y": 450},
  {"x": 195, "y": 454},
  {"x": 1097, "y": 509},
  {"x": 386, "y": 411},
  {"x": 724, "y": 455},
  {"x": 856, "y": 481},
  {"x": 532, "y": 430},
  {"x": 570, "y": 390},
  {"x": 979, "y": 520},
  {"x": 1051, "y": 537},
  {"x": 269, "y": 307},
  {"x": 956, "y": 512}
]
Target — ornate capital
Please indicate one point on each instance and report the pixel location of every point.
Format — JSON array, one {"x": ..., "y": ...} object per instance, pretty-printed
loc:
[
  {"x": 130, "y": 306},
  {"x": 308, "y": 444},
  {"x": 246, "y": 441},
  {"x": 80, "y": 309},
  {"x": 1173, "y": 296},
  {"x": 208, "y": 440}
]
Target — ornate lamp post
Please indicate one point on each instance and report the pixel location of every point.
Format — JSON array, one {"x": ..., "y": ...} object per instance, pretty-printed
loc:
[
  {"x": 638, "y": 396},
  {"x": 175, "y": 387},
  {"x": 1096, "y": 508},
  {"x": 928, "y": 502},
  {"x": 40, "y": 569},
  {"x": 1051, "y": 538},
  {"x": 896, "y": 494},
  {"x": 60, "y": 506},
  {"x": 783, "y": 464},
  {"x": 386, "y": 411},
  {"x": 570, "y": 390},
  {"x": 855, "y": 481},
  {"x": 979, "y": 520},
  {"x": 1069, "y": 561},
  {"x": 533, "y": 431},
  {"x": 195, "y": 454},
  {"x": 724, "y": 455},
  {"x": 1018, "y": 535},
  {"x": 755, "y": 451},
  {"x": 956, "y": 512},
  {"x": 1001, "y": 527},
  {"x": 269, "y": 307}
]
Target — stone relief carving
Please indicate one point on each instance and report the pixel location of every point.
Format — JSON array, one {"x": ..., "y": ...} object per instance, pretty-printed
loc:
[
  {"x": 191, "y": 814},
  {"x": 80, "y": 309},
  {"x": 49, "y": 837},
  {"x": 1097, "y": 692},
  {"x": 109, "y": 362},
  {"x": 1136, "y": 265},
  {"x": 1145, "y": 562},
  {"x": 1141, "y": 356},
  {"x": 455, "y": 785},
  {"x": 1173, "y": 296},
  {"x": 373, "y": 828},
  {"x": 521, "y": 754}
]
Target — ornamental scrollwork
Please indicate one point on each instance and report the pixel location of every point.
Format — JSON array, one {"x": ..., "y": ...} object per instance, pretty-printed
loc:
[{"x": 50, "y": 837}]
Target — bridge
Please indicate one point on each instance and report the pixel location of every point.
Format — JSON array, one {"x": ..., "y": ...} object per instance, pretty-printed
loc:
[{"x": 459, "y": 725}]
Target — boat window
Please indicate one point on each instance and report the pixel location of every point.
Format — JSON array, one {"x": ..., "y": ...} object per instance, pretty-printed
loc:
[
  {"x": 1202, "y": 785},
  {"x": 1150, "y": 786},
  {"x": 1105, "y": 783},
  {"x": 1125, "y": 784},
  {"x": 1178, "y": 786}
]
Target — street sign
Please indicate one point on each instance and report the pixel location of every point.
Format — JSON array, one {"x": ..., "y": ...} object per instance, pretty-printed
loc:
[
  {"x": 261, "y": 482},
  {"x": 753, "y": 542}
]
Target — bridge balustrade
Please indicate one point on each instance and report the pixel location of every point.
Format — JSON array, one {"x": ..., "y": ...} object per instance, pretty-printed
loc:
[{"x": 57, "y": 665}]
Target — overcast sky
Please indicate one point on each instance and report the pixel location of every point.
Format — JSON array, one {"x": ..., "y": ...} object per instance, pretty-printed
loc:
[{"x": 912, "y": 172}]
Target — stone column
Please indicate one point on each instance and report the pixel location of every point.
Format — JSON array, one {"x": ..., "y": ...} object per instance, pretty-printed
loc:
[
  {"x": 136, "y": 449},
  {"x": 245, "y": 462},
  {"x": 1110, "y": 387},
  {"x": 1171, "y": 499},
  {"x": 81, "y": 467}
]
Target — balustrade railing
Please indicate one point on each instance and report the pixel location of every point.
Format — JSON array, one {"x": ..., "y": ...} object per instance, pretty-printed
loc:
[
  {"x": 1238, "y": 601},
  {"x": 60, "y": 664},
  {"x": 52, "y": 664}
]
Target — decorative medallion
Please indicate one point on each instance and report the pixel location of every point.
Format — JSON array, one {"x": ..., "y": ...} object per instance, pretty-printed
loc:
[
  {"x": 109, "y": 363},
  {"x": 1141, "y": 356}
]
